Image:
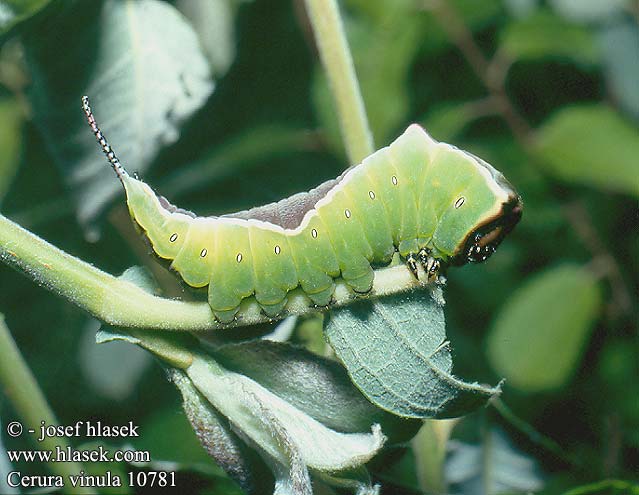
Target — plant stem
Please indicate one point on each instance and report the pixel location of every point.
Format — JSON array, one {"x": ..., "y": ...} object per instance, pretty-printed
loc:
[
  {"x": 123, "y": 304},
  {"x": 429, "y": 449},
  {"x": 20, "y": 386},
  {"x": 338, "y": 63},
  {"x": 117, "y": 302}
]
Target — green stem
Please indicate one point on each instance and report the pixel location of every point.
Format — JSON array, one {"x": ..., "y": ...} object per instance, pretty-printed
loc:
[
  {"x": 114, "y": 301},
  {"x": 20, "y": 386},
  {"x": 338, "y": 63},
  {"x": 429, "y": 449},
  {"x": 123, "y": 304}
]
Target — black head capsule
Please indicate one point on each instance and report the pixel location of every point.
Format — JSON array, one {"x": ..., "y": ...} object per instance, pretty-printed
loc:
[{"x": 484, "y": 241}]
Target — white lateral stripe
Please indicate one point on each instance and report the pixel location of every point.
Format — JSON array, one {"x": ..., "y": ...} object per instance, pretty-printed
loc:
[{"x": 328, "y": 198}]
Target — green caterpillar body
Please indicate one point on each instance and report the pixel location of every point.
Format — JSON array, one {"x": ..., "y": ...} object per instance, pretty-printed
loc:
[{"x": 430, "y": 201}]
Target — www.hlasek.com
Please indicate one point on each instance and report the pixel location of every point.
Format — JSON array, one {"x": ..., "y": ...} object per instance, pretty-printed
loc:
[{"x": 97, "y": 453}]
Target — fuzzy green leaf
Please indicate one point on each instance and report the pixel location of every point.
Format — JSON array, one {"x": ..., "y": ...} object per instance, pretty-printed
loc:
[
  {"x": 540, "y": 333},
  {"x": 318, "y": 386},
  {"x": 215, "y": 434},
  {"x": 396, "y": 353}
]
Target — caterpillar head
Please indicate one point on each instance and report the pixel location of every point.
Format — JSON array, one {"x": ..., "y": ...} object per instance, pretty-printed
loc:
[{"x": 481, "y": 207}]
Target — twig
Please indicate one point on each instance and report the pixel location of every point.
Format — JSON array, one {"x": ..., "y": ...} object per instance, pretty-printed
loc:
[
  {"x": 338, "y": 63},
  {"x": 20, "y": 386},
  {"x": 578, "y": 217},
  {"x": 533, "y": 435},
  {"x": 492, "y": 74}
]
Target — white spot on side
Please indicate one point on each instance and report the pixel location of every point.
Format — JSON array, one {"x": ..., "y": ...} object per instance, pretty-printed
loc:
[
  {"x": 239, "y": 257},
  {"x": 278, "y": 250},
  {"x": 314, "y": 233},
  {"x": 203, "y": 253},
  {"x": 394, "y": 180},
  {"x": 371, "y": 194},
  {"x": 347, "y": 212},
  {"x": 173, "y": 238},
  {"x": 459, "y": 202}
]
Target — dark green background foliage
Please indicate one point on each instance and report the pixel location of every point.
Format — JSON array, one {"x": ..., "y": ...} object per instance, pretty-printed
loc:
[{"x": 548, "y": 92}]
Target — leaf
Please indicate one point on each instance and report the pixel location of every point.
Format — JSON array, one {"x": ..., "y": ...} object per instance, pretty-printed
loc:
[
  {"x": 141, "y": 64},
  {"x": 395, "y": 351},
  {"x": 15, "y": 12},
  {"x": 291, "y": 476},
  {"x": 545, "y": 35},
  {"x": 447, "y": 120},
  {"x": 215, "y": 434},
  {"x": 318, "y": 386},
  {"x": 126, "y": 364},
  {"x": 213, "y": 21},
  {"x": 492, "y": 468},
  {"x": 320, "y": 448},
  {"x": 11, "y": 118},
  {"x": 591, "y": 145},
  {"x": 521, "y": 8},
  {"x": 539, "y": 335},
  {"x": 224, "y": 406},
  {"x": 169, "y": 437},
  {"x": 588, "y": 10},
  {"x": 620, "y": 45}
]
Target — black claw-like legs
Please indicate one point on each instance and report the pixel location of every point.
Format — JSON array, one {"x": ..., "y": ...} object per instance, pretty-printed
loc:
[
  {"x": 412, "y": 265},
  {"x": 433, "y": 270},
  {"x": 431, "y": 265},
  {"x": 424, "y": 256}
]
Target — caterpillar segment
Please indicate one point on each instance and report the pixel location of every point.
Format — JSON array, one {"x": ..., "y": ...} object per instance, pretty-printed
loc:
[{"x": 434, "y": 204}]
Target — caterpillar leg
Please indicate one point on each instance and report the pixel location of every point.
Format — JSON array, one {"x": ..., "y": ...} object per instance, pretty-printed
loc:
[
  {"x": 411, "y": 263},
  {"x": 430, "y": 264}
]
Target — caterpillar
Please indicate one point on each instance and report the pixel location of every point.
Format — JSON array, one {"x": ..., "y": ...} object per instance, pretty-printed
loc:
[{"x": 434, "y": 204}]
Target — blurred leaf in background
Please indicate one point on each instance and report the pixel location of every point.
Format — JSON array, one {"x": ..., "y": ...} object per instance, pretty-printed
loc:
[
  {"x": 592, "y": 145},
  {"x": 539, "y": 335}
]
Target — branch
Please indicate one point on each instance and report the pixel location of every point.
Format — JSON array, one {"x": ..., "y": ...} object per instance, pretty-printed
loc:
[
  {"x": 338, "y": 63},
  {"x": 490, "y": 74},
  {"x": 123, "y": 304}
]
